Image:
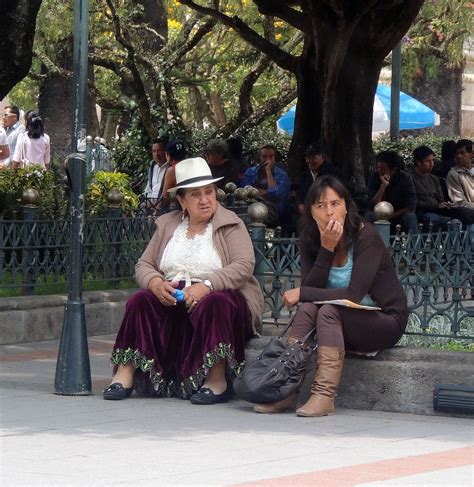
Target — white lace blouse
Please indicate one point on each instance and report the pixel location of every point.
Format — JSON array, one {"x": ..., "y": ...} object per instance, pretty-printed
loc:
[{"x": 190, "y": 259}]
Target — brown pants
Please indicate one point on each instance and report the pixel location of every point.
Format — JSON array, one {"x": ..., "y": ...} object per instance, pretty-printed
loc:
[{"x": 347, "y": 328}]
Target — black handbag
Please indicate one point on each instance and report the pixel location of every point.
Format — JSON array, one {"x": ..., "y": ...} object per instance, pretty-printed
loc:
[{"x": 277, "y": 372}]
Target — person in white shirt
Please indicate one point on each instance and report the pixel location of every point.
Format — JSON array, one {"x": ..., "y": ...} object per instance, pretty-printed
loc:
[
  {"x": 156, "y": 173},
  {"x": 4, "y": 149},
  {"x": 33, "y": 146},
  {"x": 13, "y": 128}
]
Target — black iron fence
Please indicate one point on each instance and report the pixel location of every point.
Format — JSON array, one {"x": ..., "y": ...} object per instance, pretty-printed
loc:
[{"x": 436, "y": 269}]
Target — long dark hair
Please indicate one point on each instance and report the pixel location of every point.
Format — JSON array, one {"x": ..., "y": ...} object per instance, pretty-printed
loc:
[
  {"x": 34, "y": 125},
  {"x": 309, "y": 229}
]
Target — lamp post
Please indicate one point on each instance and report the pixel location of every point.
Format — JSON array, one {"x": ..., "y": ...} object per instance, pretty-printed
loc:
[
  {"x": 395, "y": 93},
  {"x": 73, "y": 375}
]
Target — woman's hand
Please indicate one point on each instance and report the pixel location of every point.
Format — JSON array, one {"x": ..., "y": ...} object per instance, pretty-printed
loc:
[
  {"x": 291, "y": 297},
  {"x": 163, "y": 291},
  {"x": 331, "y": 235},
  {"x": 194, "y": 293}
]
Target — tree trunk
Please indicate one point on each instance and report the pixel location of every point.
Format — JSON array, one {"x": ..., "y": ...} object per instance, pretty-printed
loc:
[
  {"x": 308, "y": 116},
  {"x": 56, "y": 103},
  {"x": 442, "y": 93},
  {"x": 337, "y": 78},
  {"x": 217, "y": 108},
  {"x": 17, "y": 28}
]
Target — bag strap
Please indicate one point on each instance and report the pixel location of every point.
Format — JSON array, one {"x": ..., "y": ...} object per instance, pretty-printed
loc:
[
  {"x": 287, "y": 327},
  {"x": 302, "y": 340}
]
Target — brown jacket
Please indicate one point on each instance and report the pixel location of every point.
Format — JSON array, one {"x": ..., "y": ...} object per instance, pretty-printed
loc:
[{"x": 234, "y": 246}]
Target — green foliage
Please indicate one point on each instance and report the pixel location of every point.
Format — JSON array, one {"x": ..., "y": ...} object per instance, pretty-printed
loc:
[
  {"x": 25, "y": 94},
  {"x": 100, "y": 184},
  {"x": 436, "y": 38},
  {"x": 405, "y": 146},
  {"x": 50, "y": 188},
  {"x": 438, "y": 343},
  {"x": 132, "y": 154},
  {"x": 252, "y": 141}
]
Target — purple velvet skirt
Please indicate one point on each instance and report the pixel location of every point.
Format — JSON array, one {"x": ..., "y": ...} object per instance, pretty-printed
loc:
[{"x": 173, "y": 350}]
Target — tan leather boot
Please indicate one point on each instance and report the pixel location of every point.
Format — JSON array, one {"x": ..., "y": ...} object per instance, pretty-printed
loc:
[
  {"x": 287, "y": 404},
  {"x": 329, "y": 362}
]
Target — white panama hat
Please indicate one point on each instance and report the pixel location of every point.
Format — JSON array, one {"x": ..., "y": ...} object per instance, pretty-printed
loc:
[{"x": 192, "y": 173}]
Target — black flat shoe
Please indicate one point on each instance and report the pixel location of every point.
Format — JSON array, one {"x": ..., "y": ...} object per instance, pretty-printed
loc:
[
  {"x": 207, "y": 396},
  {"x": 116, "y": 392}
]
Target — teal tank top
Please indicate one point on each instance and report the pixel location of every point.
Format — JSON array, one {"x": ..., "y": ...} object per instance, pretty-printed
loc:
[{"x": 340, "y": 277}]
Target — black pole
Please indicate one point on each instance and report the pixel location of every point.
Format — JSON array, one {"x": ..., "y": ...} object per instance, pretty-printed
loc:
[
  {"x": 73, "y": 375},
  {"x": 395, "y": 93}
]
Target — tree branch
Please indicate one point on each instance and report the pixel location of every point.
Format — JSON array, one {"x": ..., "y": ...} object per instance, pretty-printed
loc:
[
  {"x": 278, "y": 56},
  {"x": 280, "y": 9},
  {"x": 387, "y": 33},
  {"x": 247, "y": 86},
  {"x": 184, "y": 48},
  {"x": 139, "y": 88},
  {"x": 52, "y": 68},
  {"x": 269, "y": 108}
]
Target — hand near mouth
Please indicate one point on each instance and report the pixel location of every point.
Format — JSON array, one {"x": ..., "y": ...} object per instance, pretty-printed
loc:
[{"x": 331, "y": 235}]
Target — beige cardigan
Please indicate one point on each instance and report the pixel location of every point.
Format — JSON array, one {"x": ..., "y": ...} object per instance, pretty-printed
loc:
[{"x": 234, "y": 246}]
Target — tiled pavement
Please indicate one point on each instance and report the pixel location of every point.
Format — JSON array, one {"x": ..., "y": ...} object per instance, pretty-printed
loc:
[{"x": 85, "y": 441}]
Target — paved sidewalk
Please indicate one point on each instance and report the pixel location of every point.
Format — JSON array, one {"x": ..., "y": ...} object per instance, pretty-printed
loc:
[{"x": 86, "y": 441}]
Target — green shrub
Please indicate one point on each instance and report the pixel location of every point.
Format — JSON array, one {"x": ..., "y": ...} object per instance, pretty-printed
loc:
[
  {"x": 406, "y": 145},
  {"x": 100, "y": 184},
  {"x": 251, "y": 141},
  {"x": 132, "y": 154},
  {"x": 51, "y": 189}
]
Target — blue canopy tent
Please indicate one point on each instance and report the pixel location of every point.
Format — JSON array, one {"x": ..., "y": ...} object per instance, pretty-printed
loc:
[{"x": 413, "y": 114}]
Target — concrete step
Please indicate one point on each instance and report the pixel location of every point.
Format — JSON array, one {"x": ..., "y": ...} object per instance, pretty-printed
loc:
[{"x": 401, "y": 379}]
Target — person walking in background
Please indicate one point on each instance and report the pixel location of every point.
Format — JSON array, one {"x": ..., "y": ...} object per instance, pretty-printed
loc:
[
  {"x": 4, "y": 149},
  {"x": 33, "y": 146},
  {"x": 100, "y": 160},
  {"x": 13, "y": 128},
  {"x": 390, "y": 183}
]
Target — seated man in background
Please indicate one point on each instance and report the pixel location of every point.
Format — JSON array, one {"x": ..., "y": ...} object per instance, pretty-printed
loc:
[
  {"x": 460, "y": 179},
  {"x": 217, "y": 156},
  {"x": 236, "y": 156},
  {"x": 430, "y": 205},
  {"x": 156, "y": 173},
  {"x": 272, "y": 182},
  {"x": 460, "y": 183},
  {"x": 317, "y": 165},
  {"x": 390, "y": 183}
]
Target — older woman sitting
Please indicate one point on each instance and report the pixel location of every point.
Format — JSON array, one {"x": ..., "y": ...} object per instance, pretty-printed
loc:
[{"x": 167, "y": 347}]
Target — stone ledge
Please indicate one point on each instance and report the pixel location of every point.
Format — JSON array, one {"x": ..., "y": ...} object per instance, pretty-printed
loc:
[
  {"x": 400, "y": 380},
  {"x": 36, "y": 318}
]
